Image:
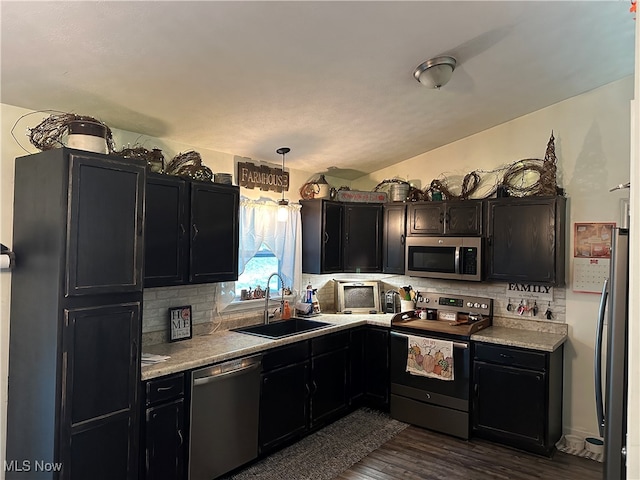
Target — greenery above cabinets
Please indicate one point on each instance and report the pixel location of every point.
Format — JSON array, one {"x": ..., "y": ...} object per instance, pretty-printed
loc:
[{"x": 191, "y": 231}]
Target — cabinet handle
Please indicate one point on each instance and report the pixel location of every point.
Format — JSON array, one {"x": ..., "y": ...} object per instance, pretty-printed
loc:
[
  {"x": 326, "y": 237},
  {"x": 181, "y": 438},
  {"x": 182, "y": 229},
  {"x": 447, "y": 218},
  {"x": 164, "y": 389},
  {"x": 504, "y": 355},
  {"x": 308, "y": 389},
  {"x": 195, "y": 231},
  {"x": 441, "y": 217},
  {"x": 489, "y": 239},
  {"x": 402, "y": 239}
]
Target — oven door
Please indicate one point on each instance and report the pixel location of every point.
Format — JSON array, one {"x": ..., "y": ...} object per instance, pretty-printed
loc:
[{"x": 446, "y": 393}]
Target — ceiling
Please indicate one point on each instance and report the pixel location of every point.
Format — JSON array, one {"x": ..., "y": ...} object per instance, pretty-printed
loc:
[{"x": 332, "y": 80}]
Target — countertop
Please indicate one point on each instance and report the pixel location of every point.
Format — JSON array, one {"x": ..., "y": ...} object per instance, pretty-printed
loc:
[{"x": 224, "y": 345}]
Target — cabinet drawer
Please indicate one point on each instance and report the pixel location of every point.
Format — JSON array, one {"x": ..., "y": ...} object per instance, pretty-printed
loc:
[
  {"x": 164, "y": 388},
  {"x": 288, "y": 355},
  {"x": 510, "y": 356},
  {"x": 327, "y": 343}
]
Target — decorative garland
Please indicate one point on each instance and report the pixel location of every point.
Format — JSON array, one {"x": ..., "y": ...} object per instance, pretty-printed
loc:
[{"x": 48, "y": 133}]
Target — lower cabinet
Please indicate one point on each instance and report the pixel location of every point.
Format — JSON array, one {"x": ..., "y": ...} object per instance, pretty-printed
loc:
[
  {"x": 163, "y": 432},
  {"x": 517, "y": 396},
  {"x": 284, "y": 395},
  {"x": 304, "y": 385},
  {"x": 369, "y": 367},
  {"x": 329, "y": 373}
]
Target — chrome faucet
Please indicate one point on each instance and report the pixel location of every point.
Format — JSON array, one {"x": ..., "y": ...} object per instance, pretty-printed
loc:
[{"x": 266, "y": 297}]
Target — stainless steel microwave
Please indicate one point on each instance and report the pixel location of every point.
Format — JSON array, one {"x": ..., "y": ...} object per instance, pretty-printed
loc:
[{"x": 449, "y": 258}]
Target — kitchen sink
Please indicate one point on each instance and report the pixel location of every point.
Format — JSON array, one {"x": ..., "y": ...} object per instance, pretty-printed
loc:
[{"x": 283, "y": 328}]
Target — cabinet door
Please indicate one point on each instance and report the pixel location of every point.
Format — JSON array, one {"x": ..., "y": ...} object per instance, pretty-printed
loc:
[
  {"x": 426, "y": 218},
  {"x": 329, "y": 392},
  {"x": 509, "y": 404},
  {"x": 393, "y": 231},
  {"x": 358, "y": 338},
  {"x": 523, "y": 241},
  {"x": 363, "y": 238},
  {"x": 377, "y": 367},
  {"x": 464, "y": 218},
  {"x": 214, "y": 233},
  {"x": 164, "y": 437},
  {"x": 105, "y": 226},
  {"x": 332, "y": 237},
  {"x": 100, "y": 384},
  {"x": 165, "y": 238},
  {"x": 283, "y": 405}
]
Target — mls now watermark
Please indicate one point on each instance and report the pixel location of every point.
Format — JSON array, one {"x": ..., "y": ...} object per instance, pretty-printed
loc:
[{"x": 32, "y": 466}]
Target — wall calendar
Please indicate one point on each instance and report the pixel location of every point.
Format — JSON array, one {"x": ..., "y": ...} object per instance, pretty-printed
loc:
[{"x": 591, "y": 256}]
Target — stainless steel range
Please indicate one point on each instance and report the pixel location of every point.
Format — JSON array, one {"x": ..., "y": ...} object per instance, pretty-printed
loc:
[{"x": 431, "y": 361}]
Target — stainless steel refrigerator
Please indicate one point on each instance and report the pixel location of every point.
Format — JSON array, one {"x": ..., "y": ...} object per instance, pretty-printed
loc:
[{"x": 612, "y": 407}]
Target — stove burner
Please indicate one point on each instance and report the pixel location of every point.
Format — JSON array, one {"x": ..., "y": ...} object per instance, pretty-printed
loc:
[{"x": 460, "y": 315}]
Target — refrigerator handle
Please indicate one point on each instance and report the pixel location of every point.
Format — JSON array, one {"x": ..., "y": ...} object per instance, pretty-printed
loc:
[{"x": 598, "y": 358}]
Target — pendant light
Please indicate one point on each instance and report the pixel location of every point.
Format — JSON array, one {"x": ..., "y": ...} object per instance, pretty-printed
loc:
[{"x": 283, "y": 203}]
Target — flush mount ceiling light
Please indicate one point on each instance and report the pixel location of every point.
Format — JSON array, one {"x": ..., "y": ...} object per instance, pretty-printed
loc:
[
  {"x": 283, "y": 203},
  {"x": 436, "y": 72}
]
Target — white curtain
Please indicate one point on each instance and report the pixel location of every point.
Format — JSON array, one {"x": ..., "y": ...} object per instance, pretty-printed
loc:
[{"x": 259, "y": 224}]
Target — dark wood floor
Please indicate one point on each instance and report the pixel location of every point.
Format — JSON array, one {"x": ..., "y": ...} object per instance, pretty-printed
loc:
[{"x": 417, "y": 453}]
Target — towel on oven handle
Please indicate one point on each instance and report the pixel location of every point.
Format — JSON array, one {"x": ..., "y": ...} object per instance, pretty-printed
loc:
[{"x": 430, "y": 357}]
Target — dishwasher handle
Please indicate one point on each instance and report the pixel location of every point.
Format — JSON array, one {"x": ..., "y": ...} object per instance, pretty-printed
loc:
[{"x": 227, "y": 370}]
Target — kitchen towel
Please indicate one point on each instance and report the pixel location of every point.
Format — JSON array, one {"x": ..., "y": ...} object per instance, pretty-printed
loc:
[{"x": 430, "y": 357}]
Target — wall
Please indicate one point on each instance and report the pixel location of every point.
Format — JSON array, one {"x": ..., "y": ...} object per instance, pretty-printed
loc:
[{"x": 592, "y": 133}]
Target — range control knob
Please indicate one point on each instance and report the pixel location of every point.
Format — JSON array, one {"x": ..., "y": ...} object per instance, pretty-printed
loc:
[
  {"x": 476, "y": 305},
  {"x": 469, "y": 304},
  {"x": 426, "y": 300},
  {"x": 484, "y": 305}
]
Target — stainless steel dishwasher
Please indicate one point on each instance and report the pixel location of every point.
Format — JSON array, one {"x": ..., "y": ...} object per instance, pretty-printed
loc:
[{"x": 224, "y": 417}]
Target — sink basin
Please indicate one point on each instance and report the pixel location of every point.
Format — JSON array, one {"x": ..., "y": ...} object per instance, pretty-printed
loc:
[{"x": 283, "y": 328}]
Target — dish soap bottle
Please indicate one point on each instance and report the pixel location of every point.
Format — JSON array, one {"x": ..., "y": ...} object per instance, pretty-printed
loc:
[{"x": 286, "y": 311}]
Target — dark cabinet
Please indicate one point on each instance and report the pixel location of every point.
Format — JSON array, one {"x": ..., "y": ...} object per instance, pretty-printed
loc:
[
  {"x": 329, "y": 373},
  {"x": 284, "y": 395},
  {"x": 341, "y": 237},
  {"x": 459, "y": 218},
  {"x": 163, "y": 433},
  {"x": 526, "y": 240},
  {"x": 393, "y": 238},
  {"x": 322, "y": 236},
  {"x": 518, "y": 397},
  {"x": 166, "y": 237},
  {"x": 369, "y": 367},
  {"x": 362, "y": 238},
  {"x": 74, "y": 359},
  {"x": 304, "y": 385},
  {"x": 191, "y": 231}
]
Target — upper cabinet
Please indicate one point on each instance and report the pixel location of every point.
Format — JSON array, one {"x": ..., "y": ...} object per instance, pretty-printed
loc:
[
  {"x": 104, "y": 243},
  {"x": 526, "y": 240},
  {"x": 341, "y": 237},
  {"x": 191, "y": 231},
  {"x": 393, "y": 237},
  {"x": 460, "y": 218}
]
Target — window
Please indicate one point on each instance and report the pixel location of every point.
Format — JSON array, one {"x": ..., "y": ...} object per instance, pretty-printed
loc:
[{"x": 257, "y": 271}]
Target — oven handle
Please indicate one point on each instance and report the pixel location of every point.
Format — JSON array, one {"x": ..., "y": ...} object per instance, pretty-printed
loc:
[
  {"x": 457, "y": 260},
  {"x": 455, "y": 344}
]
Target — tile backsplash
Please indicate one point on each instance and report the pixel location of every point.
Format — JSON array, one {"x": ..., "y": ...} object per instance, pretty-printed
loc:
[{"x": 206, "y": 318}]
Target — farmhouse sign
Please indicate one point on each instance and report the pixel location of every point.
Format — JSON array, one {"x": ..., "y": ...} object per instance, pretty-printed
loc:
[
  {"x": 262, "y": 176},
  {"x": 526, "y": 290}
]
